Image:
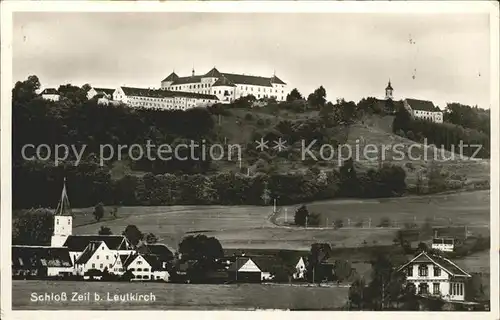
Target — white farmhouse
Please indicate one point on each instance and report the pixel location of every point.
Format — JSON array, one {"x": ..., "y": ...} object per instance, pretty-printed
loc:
[
  {"x": 300, "y": 268},
  {"x": 146, "y": 267},
  {"x": 434, "y": 275},
  {"x": 443, "y": 244},
  {"x": 50, "y": 94}
]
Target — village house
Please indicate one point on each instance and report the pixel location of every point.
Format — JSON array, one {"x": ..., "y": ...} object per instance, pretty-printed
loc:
[
  {"x": 107, "y": 93},
  {"x": 97, "y": 256},
  {"x": 50, "y": 94},
  {"x": 244, "y": 269},
  {"x": 423, "y": 109},
  {"x": 40, "y": 261},
  {"x": 146, "y": 267},
  {"x": 300, "y": 268},
  {"x": 434, "y": 275}
]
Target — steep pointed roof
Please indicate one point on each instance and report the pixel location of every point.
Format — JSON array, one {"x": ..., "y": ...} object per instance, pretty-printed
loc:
[
  {"x": 223, "y": 81},
  {"x": 63, "y": 207},
  {"x": 213, "y": 73},
  {"x": 171, "y": 77},
  {"x": 389, "y": 87},
  {"x": 277, "y": 80},
  {"x": 446, "y": 264}
]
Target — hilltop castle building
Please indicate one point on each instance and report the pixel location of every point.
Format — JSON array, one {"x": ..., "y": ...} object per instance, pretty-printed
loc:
[
  {"x": 227, "y": 87},
  {"x": 419, "y": 109}
]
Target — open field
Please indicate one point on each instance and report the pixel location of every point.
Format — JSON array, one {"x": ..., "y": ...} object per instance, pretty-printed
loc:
[
  {"x": 249, "y": 226},
  {"x": 170, "y": 296},
  {"x": 463, "y": 208}
]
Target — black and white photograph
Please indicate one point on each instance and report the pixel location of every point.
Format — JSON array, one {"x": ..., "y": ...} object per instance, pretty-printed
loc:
[{"x": 238, "y": 160}]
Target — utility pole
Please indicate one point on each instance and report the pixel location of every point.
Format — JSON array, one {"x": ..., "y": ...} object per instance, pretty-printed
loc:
[
  {"x": 383, "y": 295},
  {"x": 286, "y": 218},
  {"x": 348, "y": 222},
  {"x": 306, "y": 228},
  {"x": 327, "y": 221},
  {"x": 369, "y": 223},
  {"x": 274, "y": 209}
]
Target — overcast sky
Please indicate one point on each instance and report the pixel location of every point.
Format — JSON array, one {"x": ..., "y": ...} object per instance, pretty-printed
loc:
[{"x": 351, "y": 55}]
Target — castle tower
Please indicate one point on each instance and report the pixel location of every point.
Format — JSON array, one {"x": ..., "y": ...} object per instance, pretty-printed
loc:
[
  {"x": 63, "y": 220},
  {"x": 388, "y": 91}
]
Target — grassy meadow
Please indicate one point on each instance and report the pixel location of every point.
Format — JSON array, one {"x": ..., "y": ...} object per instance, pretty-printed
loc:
[
  {"x": 249, "y": 226},
  {"x": 170, "y": 296}
]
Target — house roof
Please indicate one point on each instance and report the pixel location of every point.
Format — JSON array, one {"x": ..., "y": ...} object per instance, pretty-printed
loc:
[
  {"x": 153, "y": 93},
  {"x": 441, "y": 261},
  {"x": 223, "y": 81},
  {"x": 171, "y": 77},
  {"x": 238, "y": 262},
  {"x": 89, "y": 252},
  {"x": 50, "y": 91},
  {"x": 213, "y": 73},
  {"x": 423, "y": 105},
  {"x": 40, "y": 256},
  {"x": 113, "y": 242},
  {"x": 158, "y": 249},
  {"x": 105, "y": 90},
  {"x": 153, "y": 260},
  {"x": 250, "y": 80}
]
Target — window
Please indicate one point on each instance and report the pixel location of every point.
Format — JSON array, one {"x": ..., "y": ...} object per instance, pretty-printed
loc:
[
  {"x": 461, "y": 287},
  {"x": 132, "y": 269},
  {"x": 107, "y": 257},
  {"x": 423, "y": 288},
  {"x": 146, "y": 277},
  {"x": 437, "y": 271},
  {"x": 435, "y": 288},
  {"x": 93, "y": 265},
  {"x": 110, "y": 265},
  {"x": 422, "y": 270},
  {"x": 139, "y": 269},
  {"x": 410, "y": 271},
  {"x": 100, "y": 266},
  {"x": 69, "y": 222},
  {"x": 57, "y": 221},
  {"x": 146, "y": 269},
  {"x": 139, "y": 262},
  {"x": 97, "y": 257}
]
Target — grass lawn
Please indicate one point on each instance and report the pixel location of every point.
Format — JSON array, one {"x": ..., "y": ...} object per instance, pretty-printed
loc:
[{"x": 171, "y": 296}]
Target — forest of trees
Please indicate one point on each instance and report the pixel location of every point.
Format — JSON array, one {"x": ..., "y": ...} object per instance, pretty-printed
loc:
[{"x": 76, "y": 121}]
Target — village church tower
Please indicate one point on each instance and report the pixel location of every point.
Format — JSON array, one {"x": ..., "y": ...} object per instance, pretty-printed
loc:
[{"x": 63, "y": 220}]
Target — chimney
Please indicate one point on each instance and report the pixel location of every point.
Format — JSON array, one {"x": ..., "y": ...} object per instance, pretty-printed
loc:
[{"x": 435, "y": 233}]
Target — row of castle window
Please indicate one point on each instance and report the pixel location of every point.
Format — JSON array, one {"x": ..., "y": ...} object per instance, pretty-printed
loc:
[
  {"x": 423, "y": 271},
  {"x": 57, "y": 222}
]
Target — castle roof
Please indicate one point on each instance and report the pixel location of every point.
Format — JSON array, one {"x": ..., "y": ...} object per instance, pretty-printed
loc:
[
  {"x": 154, "y": 93},
  {"x": 223, "y": 81},
  {"x": 442, "y": 262},
  {"x": 80, "y": 243},
  {"x": 234, "y": 78},
  {"x": 213, "y": 73},
  {"x": 40, "y": 256},
  {"x": 423, "y": 105},
  {"x": 171, "y": 77},
  {"x": 50, "y": 91}
]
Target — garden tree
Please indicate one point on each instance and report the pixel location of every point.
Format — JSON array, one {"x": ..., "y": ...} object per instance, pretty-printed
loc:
[
  {"x": 33, "y": 227},
  {"x": 345, "y": 112},
  {"x": 401, "y": 240},
  {"x": 368, "y": 106},
  {"x": 24, "y": 91},
  {"x": 133, "y": 234},
  {"x": 356, "y": 294},
  {"x": 151, "y": 238},
  {"x": 104, "y": 231},
  {"x": 435, "y": 180},
  {"x": 422, "y": 247},
  {"x": 294, "y": 95},
  {"x": 349, "y": 183},
  {"x": 402, "y": 120},
  {"x": 317, "y": 98},
  {"x": 318, "y": 253},
  {"x": 98, "y": 211},
  {"x": 314, "y": 219},
  {"x": 342, "y": 270},
  {"x": 301, "y": 216},
  {"x": 468, "y": 117},
  {"x": 474, "y": 288},
  {"x": 201, "y": 248},
  {"x": 339, "y": 223},
  {"x": 386, "y": 286}
]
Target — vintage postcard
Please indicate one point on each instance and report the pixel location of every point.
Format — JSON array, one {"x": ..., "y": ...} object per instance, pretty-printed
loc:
[{"x": 239, "y": 156}]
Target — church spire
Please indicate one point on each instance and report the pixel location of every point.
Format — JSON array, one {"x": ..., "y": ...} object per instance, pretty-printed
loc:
[{"x": 63, "y": 207}]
